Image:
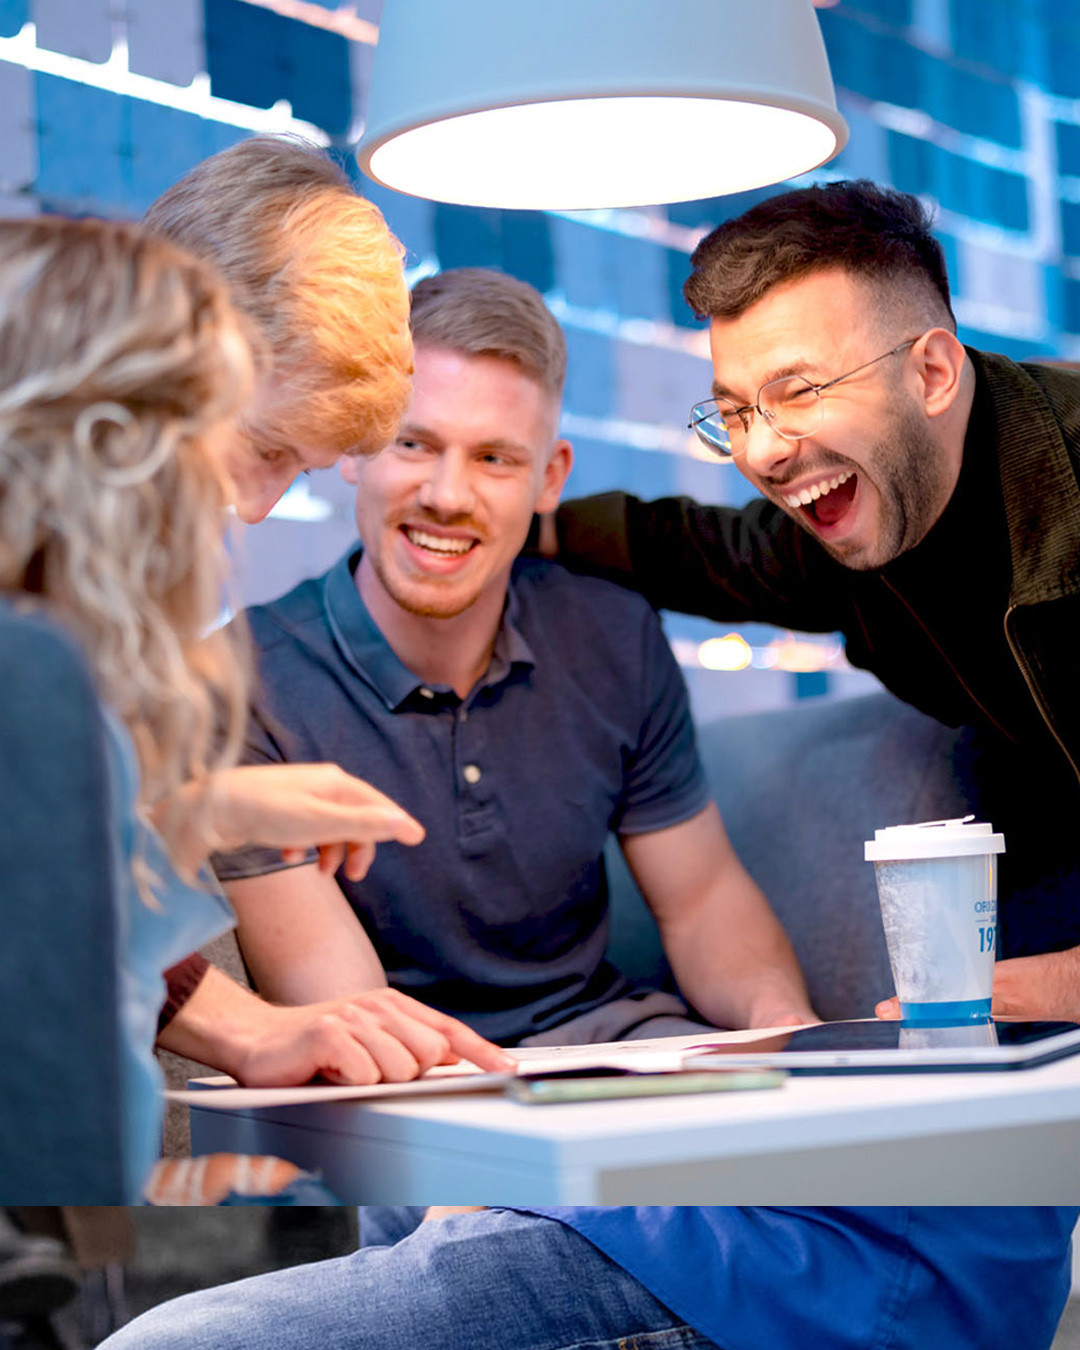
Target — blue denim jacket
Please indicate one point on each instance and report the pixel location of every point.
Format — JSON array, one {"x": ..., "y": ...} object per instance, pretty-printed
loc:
[{"x": 150, "y": 940}]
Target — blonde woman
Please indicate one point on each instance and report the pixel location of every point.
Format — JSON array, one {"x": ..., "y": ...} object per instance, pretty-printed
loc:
[{"x": 122, "y": 369}]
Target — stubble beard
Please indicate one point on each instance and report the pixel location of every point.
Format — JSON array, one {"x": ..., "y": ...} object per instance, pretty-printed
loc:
[
  {"x": 420, "y": 599},
  {"x": 422, "y": 602},
  {"x": 906, "y": 471}
]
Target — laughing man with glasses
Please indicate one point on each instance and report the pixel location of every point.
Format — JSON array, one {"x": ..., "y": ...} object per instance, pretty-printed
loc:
[{"x": 918, "y": 496}]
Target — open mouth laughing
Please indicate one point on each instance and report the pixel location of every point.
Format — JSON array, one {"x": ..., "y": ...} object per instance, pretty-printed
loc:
[{"x": 825, "y": 502}]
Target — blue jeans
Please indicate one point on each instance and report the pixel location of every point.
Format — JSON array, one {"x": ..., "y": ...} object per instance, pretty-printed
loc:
[{"x": 495, "y": 1280}]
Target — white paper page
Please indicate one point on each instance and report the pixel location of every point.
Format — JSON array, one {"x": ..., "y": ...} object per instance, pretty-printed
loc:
[
  {"x": 659, "y": 1055},
  {"x": 628, "y": 1054},
  {"x": 222, "y": 1093}
]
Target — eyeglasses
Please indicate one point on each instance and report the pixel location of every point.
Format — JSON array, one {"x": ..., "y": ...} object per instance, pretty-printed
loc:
[{"x": 790, "y": 405}]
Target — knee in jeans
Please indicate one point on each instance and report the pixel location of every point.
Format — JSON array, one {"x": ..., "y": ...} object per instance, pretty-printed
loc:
[{"x": 169, "y": 1327}]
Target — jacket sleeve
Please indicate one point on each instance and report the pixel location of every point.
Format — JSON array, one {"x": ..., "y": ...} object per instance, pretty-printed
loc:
[{"x": 748, "y": 564}]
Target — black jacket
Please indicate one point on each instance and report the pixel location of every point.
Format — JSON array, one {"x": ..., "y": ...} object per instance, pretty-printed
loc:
[{"x": 755, "y": 564}]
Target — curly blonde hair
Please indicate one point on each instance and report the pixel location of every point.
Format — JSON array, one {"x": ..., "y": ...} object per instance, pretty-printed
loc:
[
  {"x": 121, "y": 364},
  {"x": 313, "y": 264}
]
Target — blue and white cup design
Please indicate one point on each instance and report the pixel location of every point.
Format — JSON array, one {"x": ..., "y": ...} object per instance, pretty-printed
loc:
[{"x": 937, "y": 886}]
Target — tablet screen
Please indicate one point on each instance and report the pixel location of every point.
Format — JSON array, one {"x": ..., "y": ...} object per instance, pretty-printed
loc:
[{"x": 894, "y": 1046}]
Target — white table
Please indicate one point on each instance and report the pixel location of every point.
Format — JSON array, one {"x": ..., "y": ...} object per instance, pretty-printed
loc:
[{"x": 935, "y": 1138}]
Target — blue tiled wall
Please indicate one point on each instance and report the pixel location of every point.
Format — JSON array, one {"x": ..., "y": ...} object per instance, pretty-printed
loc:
[
  {"x": 258, "y": 57},
  {"x": 994, "y": 79},
  {"x": 974, "y": 104},
  {"x": 13, "y": 14}
]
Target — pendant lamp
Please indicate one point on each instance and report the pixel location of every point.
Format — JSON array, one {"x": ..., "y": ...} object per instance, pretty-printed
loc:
[{"x": 575, "y": 104}]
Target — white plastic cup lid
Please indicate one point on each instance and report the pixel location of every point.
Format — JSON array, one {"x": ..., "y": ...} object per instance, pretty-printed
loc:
[{"x": 934, "y": 839}]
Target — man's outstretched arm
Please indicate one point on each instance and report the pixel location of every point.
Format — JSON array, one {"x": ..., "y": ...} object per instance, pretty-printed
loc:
[
  {"x": 734, "y": 564},
  {"x": 379, "y": 1036},
  {"x": 730, "y": 956}
]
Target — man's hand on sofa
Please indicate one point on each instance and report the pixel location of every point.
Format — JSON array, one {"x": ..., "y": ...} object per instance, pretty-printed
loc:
[{"x": 1038, "y": 988}]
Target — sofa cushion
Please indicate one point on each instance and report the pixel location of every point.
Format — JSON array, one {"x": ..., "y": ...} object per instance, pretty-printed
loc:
[{"x": 800, "y": 790}]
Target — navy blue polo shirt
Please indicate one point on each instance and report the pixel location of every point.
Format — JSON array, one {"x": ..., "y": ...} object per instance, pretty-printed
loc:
[{"x": 579, "y": 727}]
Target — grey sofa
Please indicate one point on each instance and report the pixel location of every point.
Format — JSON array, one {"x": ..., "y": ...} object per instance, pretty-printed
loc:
[
  {"x": 60, "y": 1132},
  {"x": 800, "y": 790}
]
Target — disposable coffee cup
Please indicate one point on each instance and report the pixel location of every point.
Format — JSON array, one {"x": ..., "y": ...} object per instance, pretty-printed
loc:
[
  {"x": 937, "y": 886},
  {"x": 973, "y": 1035}
]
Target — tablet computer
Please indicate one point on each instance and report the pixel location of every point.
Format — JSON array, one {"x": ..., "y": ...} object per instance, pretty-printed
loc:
[{"x": 872, "y": 1046}]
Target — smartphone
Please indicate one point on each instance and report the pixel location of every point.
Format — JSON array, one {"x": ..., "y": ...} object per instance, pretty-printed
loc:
[{"x": 591, "y": 1085}]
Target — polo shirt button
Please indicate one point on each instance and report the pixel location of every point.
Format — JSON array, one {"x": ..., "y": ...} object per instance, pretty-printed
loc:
[
  {"x": 425, "y": 692},
  {"x": 471, "y": 773}
]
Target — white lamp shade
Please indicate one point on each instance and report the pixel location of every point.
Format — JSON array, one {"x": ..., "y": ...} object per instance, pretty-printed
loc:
[{"x": 571, "y": 104}]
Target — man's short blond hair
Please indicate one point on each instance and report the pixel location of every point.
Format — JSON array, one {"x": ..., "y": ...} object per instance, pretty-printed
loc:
[
  {"x": 478, "y": 311},
  {"x": 314, "y": 265}
]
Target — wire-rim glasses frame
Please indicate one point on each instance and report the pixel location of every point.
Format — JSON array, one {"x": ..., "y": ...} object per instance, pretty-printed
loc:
[{"x": 798, "y": 413}]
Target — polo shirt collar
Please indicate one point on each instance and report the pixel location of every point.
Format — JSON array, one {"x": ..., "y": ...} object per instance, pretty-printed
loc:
[{"x": 365, "y": 650}]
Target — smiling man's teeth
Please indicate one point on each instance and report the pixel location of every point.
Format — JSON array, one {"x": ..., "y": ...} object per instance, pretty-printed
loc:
[
  {"x": 437, "y": 544},
  {"x": 811, "y": 494}
]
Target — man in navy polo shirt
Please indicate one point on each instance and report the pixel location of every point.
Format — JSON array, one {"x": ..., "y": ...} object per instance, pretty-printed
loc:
[{"x": 521, "y": 714}]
